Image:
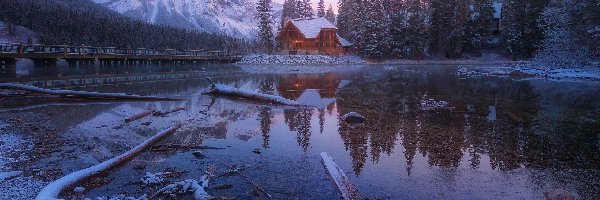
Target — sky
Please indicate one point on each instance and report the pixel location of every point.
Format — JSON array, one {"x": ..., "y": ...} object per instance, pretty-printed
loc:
[{"x": 334, "y": 4}]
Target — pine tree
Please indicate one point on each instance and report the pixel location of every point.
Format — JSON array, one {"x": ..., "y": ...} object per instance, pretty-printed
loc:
[
  {"x": 356, "y": 23},
  {"x": 522, "y": 34},
  {"x": 321, "y": 8},
  {"x": 586, "y": 19},
  {"x": 300, "y": 8},
  {"x": 343, "y": 18},
  {"x": 479, "y": 26},
  {"x": 305, "y": 9},
  {"x": 290, "y": 10},
  {"x": 329, "y": 15},
  {"x": 398, "y": 28},
  {"x": 415, "y": 32},
  {"x": 264, "y": 16},
  {"x": 308, "y": 10},
  {"x": 374, "y": 29},
  {"x": 448, "y": 22}
]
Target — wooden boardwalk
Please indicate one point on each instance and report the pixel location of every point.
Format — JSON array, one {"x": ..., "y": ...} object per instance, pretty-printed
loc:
[{"x": 49, "y": 55}]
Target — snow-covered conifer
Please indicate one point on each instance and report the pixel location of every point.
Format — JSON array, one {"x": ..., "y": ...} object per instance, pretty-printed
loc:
[
  {"x": 329, "y": 15},
  {"x": 321, "y": 8},
  {"x": 415, "y": 31},
  {"x": 374, "y": 44},
  {"x": 264, "y": 16}
]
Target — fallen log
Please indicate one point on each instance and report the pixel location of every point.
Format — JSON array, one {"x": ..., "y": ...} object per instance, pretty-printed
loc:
[
  {"x": 52, "y": 190},
  {"x": 138, "y": 116},
  {"x": 80, "y": 94},
  {"x": 163, "y": 113},
  {"x": 348, "y": 191},
  {"x": 231, "y": 91}
]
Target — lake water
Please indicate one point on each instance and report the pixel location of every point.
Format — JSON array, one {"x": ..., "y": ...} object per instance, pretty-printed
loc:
[{"x": 504, "y": 138}]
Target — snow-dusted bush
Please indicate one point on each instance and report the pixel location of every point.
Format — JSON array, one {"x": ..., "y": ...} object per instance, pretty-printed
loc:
[{"x": 561, "y": 47}]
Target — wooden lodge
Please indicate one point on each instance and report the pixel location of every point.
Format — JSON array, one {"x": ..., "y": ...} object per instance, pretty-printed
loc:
[{"x": 311, "y": 36}]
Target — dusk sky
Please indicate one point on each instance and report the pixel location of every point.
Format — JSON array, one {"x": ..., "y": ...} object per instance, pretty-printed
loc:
[{"x": 334, "y": 4}]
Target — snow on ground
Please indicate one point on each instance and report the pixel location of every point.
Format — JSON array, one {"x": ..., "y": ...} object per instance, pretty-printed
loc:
[
  {"x": 16, "y": 35},
  {"x": 15, "y": 185},
  {"x": 300, "y": 59},
  {"x": 533, "y": 69},
  {"x": 291, "y": 69}
]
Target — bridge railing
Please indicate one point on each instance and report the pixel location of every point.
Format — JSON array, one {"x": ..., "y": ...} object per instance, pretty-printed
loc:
[{"x": 23, "y": 49}]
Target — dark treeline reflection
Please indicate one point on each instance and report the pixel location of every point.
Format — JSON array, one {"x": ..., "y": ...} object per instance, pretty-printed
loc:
[
  {"x": 516, "y": 123},
  {"x": 559, "y": 127}
]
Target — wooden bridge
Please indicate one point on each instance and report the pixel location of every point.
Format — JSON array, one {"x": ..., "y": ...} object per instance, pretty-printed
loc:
[{"x": 49, "y": 55}]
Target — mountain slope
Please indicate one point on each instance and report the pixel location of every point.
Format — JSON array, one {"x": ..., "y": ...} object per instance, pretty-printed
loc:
[
  {"x": 77, "y": 22},
  {"x": 234, "y": 18}
]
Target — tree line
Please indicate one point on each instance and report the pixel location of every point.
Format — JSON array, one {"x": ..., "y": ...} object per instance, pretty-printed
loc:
[
  {"x": 419, "y": 29},
  {"x": 81, "y": 22}
]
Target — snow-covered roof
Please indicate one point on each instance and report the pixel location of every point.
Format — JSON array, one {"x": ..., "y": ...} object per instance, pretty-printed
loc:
[
  {"x": 343, "y": 41},
  {"x": 497, "y": 10},
  {"x": 310, "y": 28}
]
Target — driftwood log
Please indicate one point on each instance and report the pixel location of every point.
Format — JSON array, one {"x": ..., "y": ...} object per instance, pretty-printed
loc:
[
  {"x": 348, "y": 191},
  {"x": 81, "y": 94},
  {"x": 52, "y": 190},
  {"x": 216, "y": 88}
]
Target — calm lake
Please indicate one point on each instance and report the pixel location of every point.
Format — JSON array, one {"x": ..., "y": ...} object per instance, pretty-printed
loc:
[{"x": 500, "y": 138}]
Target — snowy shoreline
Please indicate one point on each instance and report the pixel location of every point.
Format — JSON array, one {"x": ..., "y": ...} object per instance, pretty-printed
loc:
[
  {"x": 533, "y": 71},
  {"x": 300, "y": 59}
]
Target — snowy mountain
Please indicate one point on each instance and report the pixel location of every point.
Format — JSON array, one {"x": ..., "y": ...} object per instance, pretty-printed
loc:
[{"x": 230, "y": 17}]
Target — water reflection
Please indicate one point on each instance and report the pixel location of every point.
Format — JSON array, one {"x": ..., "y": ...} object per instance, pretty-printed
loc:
[{"x": 498, "y": 124}]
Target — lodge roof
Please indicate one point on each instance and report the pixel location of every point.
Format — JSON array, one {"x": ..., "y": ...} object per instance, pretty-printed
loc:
[{"x": 311, "y": 27}]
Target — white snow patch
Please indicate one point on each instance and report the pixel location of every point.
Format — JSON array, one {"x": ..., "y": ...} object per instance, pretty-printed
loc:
[
  {"x": 534, "y": 69},
  {"x": 432, "y": 104},
  {"x": 300, "y": 59},
  {"x": 123, "y": 197},
  {"x": 186, "y": 186},
  {"x": 293, "y": 69},
  {"x": 153, "y": 178}
]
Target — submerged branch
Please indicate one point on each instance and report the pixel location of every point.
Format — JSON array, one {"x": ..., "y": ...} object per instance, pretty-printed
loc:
[
  {"x": 256, "y": 187},
  {"x": 139, "y": 116},
  {"x": 163, "y": 113},
  {"x": 52, "y": 190}
]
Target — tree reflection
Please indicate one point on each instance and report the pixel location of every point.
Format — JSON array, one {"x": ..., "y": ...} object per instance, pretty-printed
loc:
[
  {"x": 389, "y": 102},
  {"x": 298, "y": 120},
  {"x": 265, "y": 117}
]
